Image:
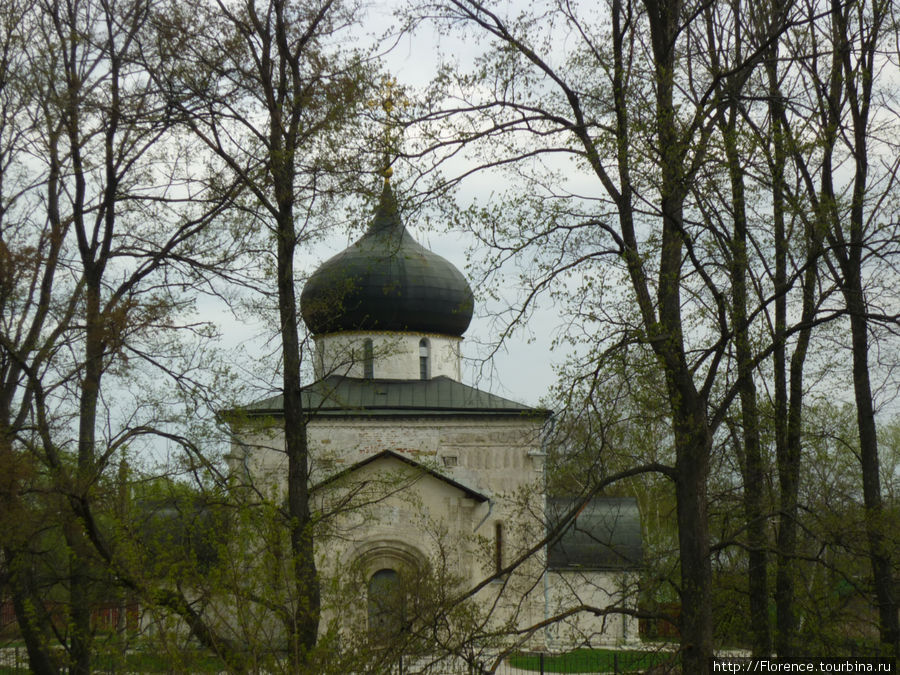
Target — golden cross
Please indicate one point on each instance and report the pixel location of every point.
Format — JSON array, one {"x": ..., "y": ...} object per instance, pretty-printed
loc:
[{"x": 389, "y": 100}]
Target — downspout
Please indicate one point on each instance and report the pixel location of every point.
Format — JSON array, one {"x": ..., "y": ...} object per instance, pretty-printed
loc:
[
  {"x": 486, "y": 516},
  {"x": 543, "y": 455},
  {"x": 547, "y": 634}
]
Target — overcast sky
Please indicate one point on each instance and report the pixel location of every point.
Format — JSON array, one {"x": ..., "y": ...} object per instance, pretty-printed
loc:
[{"x": 522, "y": 368}]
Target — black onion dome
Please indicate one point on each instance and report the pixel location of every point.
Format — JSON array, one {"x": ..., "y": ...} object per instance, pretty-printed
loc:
[{"x": 387, "y": 281}]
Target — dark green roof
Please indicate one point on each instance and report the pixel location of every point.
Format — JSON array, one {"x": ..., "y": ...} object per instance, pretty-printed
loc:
[
  {"x": 387, "y": 281},
  {"x": 349, "y": 396},
  {"x": 605, "y": 534}
]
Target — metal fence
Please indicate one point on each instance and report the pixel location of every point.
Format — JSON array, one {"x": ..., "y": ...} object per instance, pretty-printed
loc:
[
  {"x": 14, "y": 660},
  {"x": 589, "y": 662}
]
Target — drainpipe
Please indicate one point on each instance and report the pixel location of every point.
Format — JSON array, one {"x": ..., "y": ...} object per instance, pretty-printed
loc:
[
  {"x": 542, "y": 454},
  {"x": 487, "y": 515}
]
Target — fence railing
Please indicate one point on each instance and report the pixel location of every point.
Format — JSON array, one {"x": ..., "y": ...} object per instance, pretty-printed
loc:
[
  {"x": 591, "y": 662},
  {"x": 14, "y": 659},
  {"x": 587, "y": 661}
]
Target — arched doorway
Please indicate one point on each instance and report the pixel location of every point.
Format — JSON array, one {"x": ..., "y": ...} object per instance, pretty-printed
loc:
[{"x": 387, "y": 604}]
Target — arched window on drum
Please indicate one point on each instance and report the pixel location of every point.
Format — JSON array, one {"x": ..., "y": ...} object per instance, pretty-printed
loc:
[
  {"x": 424, "y": 359},
  {"x": 368, "y": 359}
]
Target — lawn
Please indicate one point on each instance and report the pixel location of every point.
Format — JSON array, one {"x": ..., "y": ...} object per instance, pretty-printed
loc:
[{"x": 591, "y": 661}]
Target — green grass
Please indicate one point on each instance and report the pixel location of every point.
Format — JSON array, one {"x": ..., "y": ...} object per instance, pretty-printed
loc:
[
  {"x": 148, "y": 662},
  {"x": 591, "y": 661}
]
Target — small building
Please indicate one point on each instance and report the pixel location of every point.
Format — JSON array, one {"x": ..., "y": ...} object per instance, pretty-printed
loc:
[{"x": 428, "y": 488}]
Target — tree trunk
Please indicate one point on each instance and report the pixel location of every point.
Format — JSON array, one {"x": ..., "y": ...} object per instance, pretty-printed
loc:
[
  {"x": 786, "y": 459},
  {"x": 79, "y": 576},
  {"x": 788, "y": 454},
  {"x": 303, "y": 632},
  {"x": 31, "y": 615},
  {"x": 753, "y": 467},
  {"x": 693, "y": 440},
  {"x": 855, "y": 78},
  {"x": 879, "y": 555},
  {"x": 692, "y": 445}
]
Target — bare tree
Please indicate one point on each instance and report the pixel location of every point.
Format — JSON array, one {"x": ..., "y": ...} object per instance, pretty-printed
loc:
[
  {"x": 635, "y": 107},
  {"x": 843, "y": 66},
  {"x": 99, "y": 230},
  {"x": 271, "y": 106}
]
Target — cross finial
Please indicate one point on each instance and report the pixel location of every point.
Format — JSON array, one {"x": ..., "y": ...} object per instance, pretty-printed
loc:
[
  {"x": 391, "y": 98},
  {"x": 388, "y": 87}
]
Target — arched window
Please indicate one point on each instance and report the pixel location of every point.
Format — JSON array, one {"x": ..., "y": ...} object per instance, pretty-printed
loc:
[
  {"x": 387, "y": 605},
  {"x": 424, "y": 356},
  {"x": 368, "y": 360}
]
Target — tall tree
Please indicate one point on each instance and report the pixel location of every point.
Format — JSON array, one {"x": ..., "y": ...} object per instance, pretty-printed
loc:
[
  {"x": 789, "y": 209},
  {"x": 98, "y": 242},
  {"x": 635, "y": 107},
  {"x": 726, "y": 26},
  {"x": 271, "y": 107},
  {"x": 849, "y": 105}
]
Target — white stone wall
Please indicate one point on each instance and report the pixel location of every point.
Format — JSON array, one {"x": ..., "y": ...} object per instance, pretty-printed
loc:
[
  {"x": 438, "y": 537},
  {"x": 593, "y": 589},
  {"x": 414, "y": 519},
  {"x": 493, "y": 457},
  {"x": 396, "y": 354},
  {"x": 497, "y": 457}
]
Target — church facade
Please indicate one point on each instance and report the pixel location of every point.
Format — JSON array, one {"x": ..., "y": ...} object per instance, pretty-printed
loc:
[{"x": 431, "y": 493}]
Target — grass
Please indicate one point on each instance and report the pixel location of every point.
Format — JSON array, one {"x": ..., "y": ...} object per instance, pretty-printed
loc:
[
  {"x": 150, "y": 662},
  {"x": 591, "y": 661}
]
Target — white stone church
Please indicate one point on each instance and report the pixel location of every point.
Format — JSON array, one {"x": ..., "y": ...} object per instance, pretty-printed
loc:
[{"x": 428, "y": 487}]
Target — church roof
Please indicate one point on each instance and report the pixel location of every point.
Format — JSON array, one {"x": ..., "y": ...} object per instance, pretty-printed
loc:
[
  {"x": 350, "y": 396},
  {"x": 605, "y": 534},
  {"x": 390, "y": 454},
  {"x": 387, "y": 281}
]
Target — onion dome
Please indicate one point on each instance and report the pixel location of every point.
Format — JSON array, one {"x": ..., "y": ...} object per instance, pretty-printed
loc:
[{"x": 387, "y": 281}]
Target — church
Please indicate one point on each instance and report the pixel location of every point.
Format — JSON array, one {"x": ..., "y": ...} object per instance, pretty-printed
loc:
[{"x": 431, "y": 493}]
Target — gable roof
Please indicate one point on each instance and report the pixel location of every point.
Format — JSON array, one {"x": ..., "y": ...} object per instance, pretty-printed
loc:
[
  {"x": 390, "y": 454},
  {"x": 605, "y": 534},
  {"x": 350, "y": 396}
]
